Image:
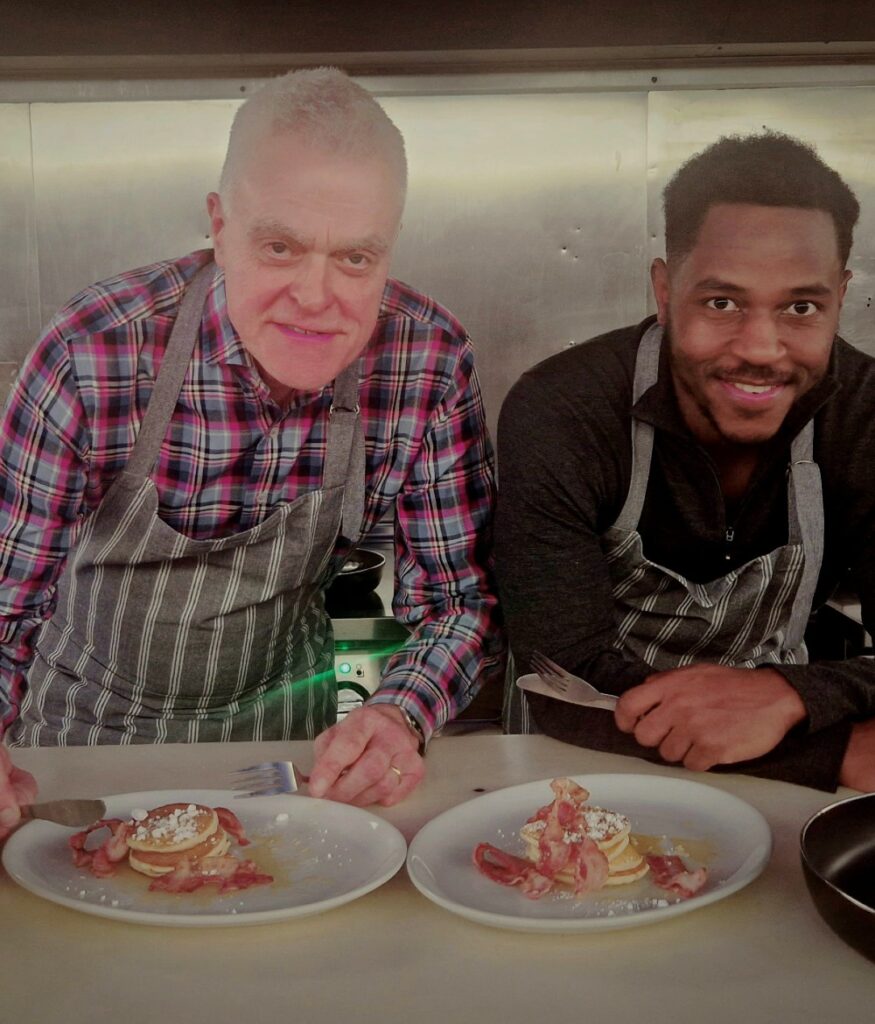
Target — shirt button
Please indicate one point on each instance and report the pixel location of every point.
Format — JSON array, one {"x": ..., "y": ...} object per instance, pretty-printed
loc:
[{"x": 261, "y": 497}]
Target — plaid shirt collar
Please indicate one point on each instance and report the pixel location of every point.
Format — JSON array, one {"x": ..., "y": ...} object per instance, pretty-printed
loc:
[{"x": 220, "y": 342}]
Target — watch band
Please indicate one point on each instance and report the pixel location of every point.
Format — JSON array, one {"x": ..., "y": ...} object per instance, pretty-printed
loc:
[{"x": 414, "y": 727}]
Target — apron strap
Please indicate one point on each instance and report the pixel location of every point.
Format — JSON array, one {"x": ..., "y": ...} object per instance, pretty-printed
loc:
[
  {"x": 805, "y": 506},
  {"x": 171, "y": 374},
  {"x": 646, "y": 375},
  {"x": 345, "y": 450}
]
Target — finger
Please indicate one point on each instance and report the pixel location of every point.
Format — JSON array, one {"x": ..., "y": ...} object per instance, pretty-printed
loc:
[
  {"x": 700, "y": 758},
  {"x": 406, "y": 784},
  {"x": 343, "y": 747},
  {"x": 652, "y": 728},
  {"x": 400, "y": 786},
  {"x": 10, "y": 815},
  {"x": 23, "y": 786},
  {"x": 636, "y": 703},
  {"x": 370, "y": 771},
  {"x": 675, "y": 746}
]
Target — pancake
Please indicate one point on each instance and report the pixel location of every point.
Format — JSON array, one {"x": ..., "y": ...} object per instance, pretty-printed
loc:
[
  {"x": 166, "y": 834},
  {"x": 611, "y": 832}
]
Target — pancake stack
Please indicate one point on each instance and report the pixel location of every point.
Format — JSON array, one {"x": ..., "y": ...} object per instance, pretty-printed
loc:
[
  {"x": 163, "y": 836},
  {"x": 611, "y": 832}
]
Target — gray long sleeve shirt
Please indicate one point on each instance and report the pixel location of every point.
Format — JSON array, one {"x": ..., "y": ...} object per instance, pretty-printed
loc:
[{"x": 564, "y": 443}]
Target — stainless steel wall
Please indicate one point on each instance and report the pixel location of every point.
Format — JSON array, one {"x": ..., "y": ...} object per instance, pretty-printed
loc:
[{"x": 533, "y": 210}]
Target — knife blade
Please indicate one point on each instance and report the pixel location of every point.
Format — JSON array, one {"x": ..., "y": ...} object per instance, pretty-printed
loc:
[{"x": 72, "y": 813}]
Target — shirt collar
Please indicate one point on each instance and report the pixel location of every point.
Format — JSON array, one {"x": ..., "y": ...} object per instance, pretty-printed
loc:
[
  {"x": 658, "y": 405},
  {"x": 221, "y": 342}
]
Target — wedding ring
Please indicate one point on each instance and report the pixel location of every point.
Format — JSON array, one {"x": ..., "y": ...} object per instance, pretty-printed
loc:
[{"x": 397, "y": 771}]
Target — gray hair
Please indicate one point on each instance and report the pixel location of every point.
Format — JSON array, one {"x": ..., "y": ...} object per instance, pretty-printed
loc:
[{"x": 321, "y": 105}]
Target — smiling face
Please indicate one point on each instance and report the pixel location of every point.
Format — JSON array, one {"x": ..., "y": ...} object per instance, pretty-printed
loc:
[
  {"x": 305, "y": 239},
  {"x": 751, "y": 313}
]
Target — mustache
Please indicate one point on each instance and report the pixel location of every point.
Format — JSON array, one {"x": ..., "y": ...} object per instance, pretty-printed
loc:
[{"x": 751, "y": 374}]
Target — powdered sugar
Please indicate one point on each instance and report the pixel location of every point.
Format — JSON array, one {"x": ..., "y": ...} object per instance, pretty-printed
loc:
[{"x": 180, "y": 825}]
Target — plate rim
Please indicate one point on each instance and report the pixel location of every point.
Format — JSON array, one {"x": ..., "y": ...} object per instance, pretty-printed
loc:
[
  {"x": 165, "y": 918},
  {"x": 514, "y": 922}
]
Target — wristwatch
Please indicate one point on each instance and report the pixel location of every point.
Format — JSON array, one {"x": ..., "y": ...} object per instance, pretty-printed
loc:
[{"x": 414, "y": 727}]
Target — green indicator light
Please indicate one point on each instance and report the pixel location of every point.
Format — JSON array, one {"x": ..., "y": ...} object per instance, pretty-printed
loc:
[{"x": 344, "y": 666}]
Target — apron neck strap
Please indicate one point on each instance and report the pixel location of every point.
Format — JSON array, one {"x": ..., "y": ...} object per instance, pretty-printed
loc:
[
  {"x": 345, "y": 450},
  {"x": 171, "y": 374}
]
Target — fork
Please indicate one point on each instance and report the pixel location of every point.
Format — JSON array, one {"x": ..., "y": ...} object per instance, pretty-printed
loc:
[
  {"x": 562, "y": 681},
  {"x": 269, "y": 778}
]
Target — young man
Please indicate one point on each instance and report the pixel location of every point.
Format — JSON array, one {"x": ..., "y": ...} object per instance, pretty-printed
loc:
[
  {"x": 677, "y": 496},
  {"x": 193, "y": 448}
]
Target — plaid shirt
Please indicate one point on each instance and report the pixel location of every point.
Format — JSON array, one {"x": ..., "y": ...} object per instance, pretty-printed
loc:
[{"x": 232, "y": 456}]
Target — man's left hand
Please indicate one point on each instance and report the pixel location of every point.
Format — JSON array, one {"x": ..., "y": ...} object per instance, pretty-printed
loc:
[
  {"x": 704, "y": 715},
  {"x": 371, "y": 757}
]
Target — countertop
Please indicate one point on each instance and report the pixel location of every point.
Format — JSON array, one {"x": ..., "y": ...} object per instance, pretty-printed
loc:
[{"x": 760, "y": 956}]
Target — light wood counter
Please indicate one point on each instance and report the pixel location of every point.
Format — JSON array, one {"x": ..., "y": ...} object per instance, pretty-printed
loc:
[{"x": 762, "y": 956}]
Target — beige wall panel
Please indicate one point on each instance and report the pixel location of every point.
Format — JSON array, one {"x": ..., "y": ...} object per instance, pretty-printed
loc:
[
  {"x": 526, "y": 216},
  {"x": 19, "y": 284},
  {"x": 840, "y": 122},
  {"x": 118, "y": 185}
]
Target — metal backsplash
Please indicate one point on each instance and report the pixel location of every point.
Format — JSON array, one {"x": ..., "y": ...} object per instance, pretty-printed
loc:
[{"x": 533, "y": 214}]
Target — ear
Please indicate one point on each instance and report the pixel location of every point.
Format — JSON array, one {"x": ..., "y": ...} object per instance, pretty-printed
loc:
[
  {"x": 217, "y": 224},
  {"x": 843, "y": 287},
  {"x": 661, "y": 290}
]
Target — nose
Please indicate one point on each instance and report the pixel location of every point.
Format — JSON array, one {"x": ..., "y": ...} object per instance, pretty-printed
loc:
[
  {"x": 758, "y": 339},
  {"x": 310, "y": 285}
]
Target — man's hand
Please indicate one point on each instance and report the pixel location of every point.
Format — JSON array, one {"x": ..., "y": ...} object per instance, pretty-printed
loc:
[
  {"x": 17, "y": 787},
  {"x": 707, "y": 714},
  {"x": 371, "y": 757},
  {"x": 858, "y": 766}
]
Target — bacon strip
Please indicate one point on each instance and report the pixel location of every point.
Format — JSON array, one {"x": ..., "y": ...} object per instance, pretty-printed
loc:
[
  {"x": 228, "y": 873},
  {"x": 231, "y": 824},
  {"x": 563, "y": 846},
  {"x": 101, "y": 861},
  {"x": 670, "y": 873},
  {"x": 506, "y": 869}
]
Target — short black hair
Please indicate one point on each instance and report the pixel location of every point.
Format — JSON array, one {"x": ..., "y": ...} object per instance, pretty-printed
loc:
[{"x": 766, "y": 169}]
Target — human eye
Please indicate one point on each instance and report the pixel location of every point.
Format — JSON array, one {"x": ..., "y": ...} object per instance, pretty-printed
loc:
[
  {"x": 802, "y": 308},
  {"x": 358, "y": 261},
  {"x": 722, "y": 304},
  {"x": 276, "y": 249}
]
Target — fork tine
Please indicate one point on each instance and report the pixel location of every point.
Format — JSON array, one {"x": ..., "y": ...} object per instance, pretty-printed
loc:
[
  {"x": 549, "y": 671},
  {"x": 268, "y": 778}
]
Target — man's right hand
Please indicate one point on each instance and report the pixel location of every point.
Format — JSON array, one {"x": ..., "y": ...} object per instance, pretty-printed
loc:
[{"x": 17, "y": 787}]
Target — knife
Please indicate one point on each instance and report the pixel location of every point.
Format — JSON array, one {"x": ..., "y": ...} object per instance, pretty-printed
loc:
[{"x": 72, "y": 813}]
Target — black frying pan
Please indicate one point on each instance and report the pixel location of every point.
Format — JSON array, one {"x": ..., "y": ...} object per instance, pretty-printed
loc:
[
  {"x": 838, "y": 860},
  {"x": 361, "y": 573}
]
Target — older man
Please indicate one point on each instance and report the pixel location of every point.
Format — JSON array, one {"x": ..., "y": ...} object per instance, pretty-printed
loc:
[
  {"x": 677, "y": 496},
  {"x": 193, "y": 448}
]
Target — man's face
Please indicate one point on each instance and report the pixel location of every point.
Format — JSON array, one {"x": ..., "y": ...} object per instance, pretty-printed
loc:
[
  {"x": 751, "y": 313},
  {"x": 305, "y": 243}
]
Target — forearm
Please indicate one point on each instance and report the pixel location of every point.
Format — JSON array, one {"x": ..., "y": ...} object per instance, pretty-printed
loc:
[
  {"x": 445, "y": 589},
  {"x": 833, "y": 691},
  {"x": 442, "y": 666}
]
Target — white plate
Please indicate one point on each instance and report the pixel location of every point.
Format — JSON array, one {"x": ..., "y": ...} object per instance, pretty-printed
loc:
[
  {"x": 729, "y": 836},
  {"x": 321, "y": 855}
]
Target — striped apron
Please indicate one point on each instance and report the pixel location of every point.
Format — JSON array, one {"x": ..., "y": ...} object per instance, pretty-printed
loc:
[
  {"x": 754, "y": 615},
  {"x": 160, "y": 638}
]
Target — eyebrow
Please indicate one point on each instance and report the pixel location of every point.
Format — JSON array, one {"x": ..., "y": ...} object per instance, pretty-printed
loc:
[
  {"x": 714, "y": 284},
  {"x": 370, "y": 243}
]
